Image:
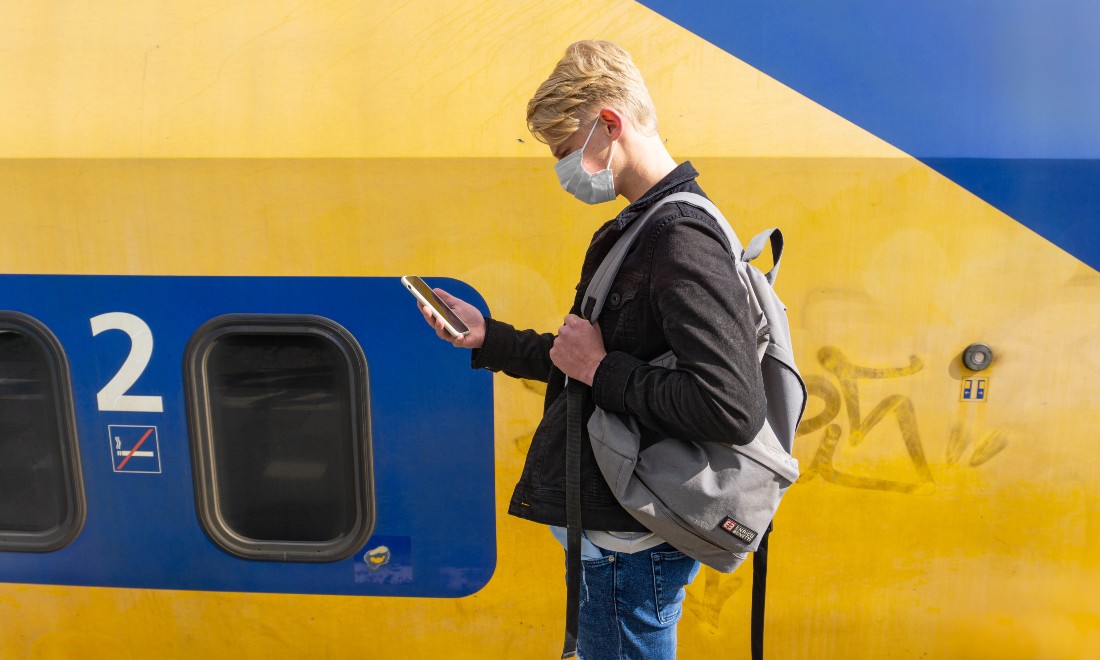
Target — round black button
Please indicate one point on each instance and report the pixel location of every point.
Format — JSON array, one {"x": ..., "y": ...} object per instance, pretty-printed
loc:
[{"x": 977, "y": 357}]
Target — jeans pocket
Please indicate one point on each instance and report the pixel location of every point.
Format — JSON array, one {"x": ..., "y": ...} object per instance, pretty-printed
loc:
[
  {"x": 672, "y": 572},
  {"x": 597, "y": 579}
]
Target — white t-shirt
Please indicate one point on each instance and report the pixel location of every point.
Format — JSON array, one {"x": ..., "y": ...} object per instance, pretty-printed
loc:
[{"x": 592, "y": 540}]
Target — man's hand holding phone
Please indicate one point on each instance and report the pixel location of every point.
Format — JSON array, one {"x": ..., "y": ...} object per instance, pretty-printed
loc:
[
  {"x": 467, "y": 315},
  {"x": 465, "y": 311}
]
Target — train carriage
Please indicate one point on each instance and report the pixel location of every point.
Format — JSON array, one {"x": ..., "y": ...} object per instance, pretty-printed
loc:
[{"x": 226, "y": 432}]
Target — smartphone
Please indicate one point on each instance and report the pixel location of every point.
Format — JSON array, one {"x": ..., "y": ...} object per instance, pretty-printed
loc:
[{"x": 426, "y": 296}]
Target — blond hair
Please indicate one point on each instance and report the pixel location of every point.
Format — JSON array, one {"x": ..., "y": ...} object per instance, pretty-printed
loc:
[{"x": 593, "y": 74}]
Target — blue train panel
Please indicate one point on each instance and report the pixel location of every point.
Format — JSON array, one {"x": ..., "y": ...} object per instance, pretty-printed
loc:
[
  {"x": 1001, "y": 97},
  {"x": 431, "y": 427}
]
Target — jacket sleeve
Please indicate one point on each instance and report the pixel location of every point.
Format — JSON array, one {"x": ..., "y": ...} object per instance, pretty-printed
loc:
[
  {"x": 518, "y": 353},
  {"x": 715, "y": 392}
]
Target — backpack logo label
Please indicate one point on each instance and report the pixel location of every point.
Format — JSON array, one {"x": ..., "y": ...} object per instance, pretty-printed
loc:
[{"x": 737, "y": 529}]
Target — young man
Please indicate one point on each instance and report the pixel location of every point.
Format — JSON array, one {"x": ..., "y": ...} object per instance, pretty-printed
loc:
[{"x": 677, "y": 290}]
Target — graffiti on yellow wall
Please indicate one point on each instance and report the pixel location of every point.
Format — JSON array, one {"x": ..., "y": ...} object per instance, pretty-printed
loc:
[{"x": 898, "y": 408}]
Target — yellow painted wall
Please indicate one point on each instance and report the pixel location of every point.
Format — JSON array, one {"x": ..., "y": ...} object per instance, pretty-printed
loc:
[{"x": 344, "y": 138}]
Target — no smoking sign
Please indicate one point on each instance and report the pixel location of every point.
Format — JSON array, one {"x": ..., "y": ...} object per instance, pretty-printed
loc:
[{"x": 134, "y": 448}]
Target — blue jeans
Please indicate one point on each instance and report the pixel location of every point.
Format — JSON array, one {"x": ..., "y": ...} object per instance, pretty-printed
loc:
[{"x": 631, "y": 603}]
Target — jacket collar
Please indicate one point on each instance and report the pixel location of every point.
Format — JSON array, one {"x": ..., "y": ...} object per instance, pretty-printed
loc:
[{"x": 684, "y": 173}]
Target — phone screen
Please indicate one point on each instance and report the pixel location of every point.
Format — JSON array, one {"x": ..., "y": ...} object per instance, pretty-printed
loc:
[{"x": 427, "y": 295}]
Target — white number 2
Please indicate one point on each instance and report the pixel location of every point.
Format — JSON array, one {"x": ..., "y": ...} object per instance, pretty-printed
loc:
[{"x": 113, "y": 396}]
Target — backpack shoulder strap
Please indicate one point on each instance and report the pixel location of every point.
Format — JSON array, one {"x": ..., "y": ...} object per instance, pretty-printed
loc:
[
  {"x": 601, "y": 282},
  {"x": 705, "y": 204}
]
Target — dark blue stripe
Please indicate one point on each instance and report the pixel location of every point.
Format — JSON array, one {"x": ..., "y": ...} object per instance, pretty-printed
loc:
[
  {"x": 1062, "y": 197},
  {"x": 959, "y": 85}
]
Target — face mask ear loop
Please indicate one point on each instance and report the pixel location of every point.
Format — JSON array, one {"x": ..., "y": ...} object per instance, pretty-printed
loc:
[
  {"x": 590, "y": 134},
  {"x": 587, "y": 139}
]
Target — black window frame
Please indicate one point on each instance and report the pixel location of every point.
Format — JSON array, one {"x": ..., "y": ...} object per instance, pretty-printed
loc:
[
  {"x": 70, "y": 527},
  {"x": 202, "y": 439}
]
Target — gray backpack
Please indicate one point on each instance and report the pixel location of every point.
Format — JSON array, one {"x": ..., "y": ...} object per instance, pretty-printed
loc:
[
  {"x": 714, "y": 502},
  {"x": 711, "y": 501}
]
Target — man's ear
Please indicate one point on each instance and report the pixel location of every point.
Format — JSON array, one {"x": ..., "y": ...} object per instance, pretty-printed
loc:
[{"x": 613, "y": 122}]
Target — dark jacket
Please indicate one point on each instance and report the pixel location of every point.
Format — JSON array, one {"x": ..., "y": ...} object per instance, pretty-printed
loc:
[{"x": 677, "y": 289}]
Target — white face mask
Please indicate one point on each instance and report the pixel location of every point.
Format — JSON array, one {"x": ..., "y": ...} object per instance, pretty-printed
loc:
[{"x": 589, "y": 188}]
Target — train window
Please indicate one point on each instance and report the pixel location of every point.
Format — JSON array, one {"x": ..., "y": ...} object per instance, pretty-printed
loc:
[
  {"x": 41, "y": 490},
  {"x": 280, "y": 433}
]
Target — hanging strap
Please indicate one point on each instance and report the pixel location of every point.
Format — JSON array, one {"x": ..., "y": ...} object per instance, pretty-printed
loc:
[
  {"x": 756, "y": 246},
  {"x": 759, "y": 590},
  {"x": 574, "y": 403},
  {"x": 760, "y": 557}
]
